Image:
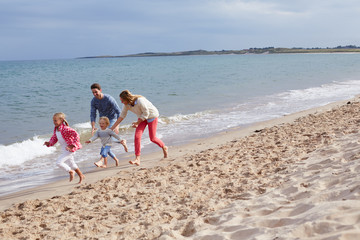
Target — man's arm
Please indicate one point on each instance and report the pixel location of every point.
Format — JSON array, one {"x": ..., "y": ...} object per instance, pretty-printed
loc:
[
  {"x": 118, "y": 121},
  {"x": 93, "y": 109},
  {"x": 115, "y": 106}
]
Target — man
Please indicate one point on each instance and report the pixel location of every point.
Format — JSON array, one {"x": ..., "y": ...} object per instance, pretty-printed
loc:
[{"x": 106, "y": 105}]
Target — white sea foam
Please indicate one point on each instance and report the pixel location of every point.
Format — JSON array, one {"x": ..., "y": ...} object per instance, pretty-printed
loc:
[
  {"x": 85, "y": 125},
  {"x": 18, "y": 153},
  {"x": 268, "y": 107},
  {"x": 333, "y": 90},
  {"x": 183, "y": 117}
]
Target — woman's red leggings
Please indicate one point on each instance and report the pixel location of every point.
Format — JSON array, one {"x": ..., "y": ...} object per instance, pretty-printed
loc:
[{"x": 152, "y": 134}]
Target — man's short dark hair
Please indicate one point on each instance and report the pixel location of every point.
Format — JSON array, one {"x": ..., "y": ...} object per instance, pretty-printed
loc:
[{"x": 95, "y": 86}]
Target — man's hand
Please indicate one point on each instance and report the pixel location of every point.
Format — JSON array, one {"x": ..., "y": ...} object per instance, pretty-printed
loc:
[{"x": 93, "y": 130}]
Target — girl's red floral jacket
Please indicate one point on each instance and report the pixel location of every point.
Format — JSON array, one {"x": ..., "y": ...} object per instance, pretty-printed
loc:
[{"x": 70, "y": 136}]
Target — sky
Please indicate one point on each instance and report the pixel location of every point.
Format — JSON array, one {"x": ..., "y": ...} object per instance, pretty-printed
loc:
[{"x": 62, "y": 29}]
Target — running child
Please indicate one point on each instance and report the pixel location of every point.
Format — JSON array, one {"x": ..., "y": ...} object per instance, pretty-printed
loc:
[
  {"x": 106, "y": 134},
  {"x": 69, "y": 141}
]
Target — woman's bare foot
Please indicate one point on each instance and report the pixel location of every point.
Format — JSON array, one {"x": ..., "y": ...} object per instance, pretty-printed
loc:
[
  {"x": 123, "y": 142},
  {"x": 136, "y": 161},
  {"x": 71, "y": 175},
  {"x": 103, "y": 166},
  {"x": 165, "y": 151}
]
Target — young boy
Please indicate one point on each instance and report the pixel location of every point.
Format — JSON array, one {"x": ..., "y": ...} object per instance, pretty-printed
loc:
[{"x": 105, "y": 134}]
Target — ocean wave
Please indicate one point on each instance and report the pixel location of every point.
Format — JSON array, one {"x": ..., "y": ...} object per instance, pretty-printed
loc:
[
  {"x": 84, "y": 125},
  {"x": 183, "y": 117},
  {"x": 18, "y": 153},
  {"x": 332, "y": 90}
]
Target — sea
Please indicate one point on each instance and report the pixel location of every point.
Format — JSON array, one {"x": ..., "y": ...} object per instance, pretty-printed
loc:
[{"x": 197, "y": 97}]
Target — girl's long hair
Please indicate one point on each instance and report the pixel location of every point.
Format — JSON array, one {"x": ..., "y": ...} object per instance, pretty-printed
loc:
[
  {"x": 62, "y": 116},
  {"x": 129, "y": 97}
]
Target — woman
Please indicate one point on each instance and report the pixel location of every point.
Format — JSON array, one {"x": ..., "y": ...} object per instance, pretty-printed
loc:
[{"x": 147, "y": 115}]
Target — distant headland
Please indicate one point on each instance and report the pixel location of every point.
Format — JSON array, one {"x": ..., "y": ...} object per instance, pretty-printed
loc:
[{"x": 267, "y": 50}]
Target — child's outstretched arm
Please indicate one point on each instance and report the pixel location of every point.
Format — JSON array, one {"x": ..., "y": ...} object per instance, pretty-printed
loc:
[
  {"x": 52, "y": 141},
  {"x": 93, "y": 138},
  {"x": 114, "y": 135}
]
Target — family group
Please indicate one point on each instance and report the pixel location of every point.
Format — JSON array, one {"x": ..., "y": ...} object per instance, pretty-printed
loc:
[{"x": 110, "y": 117}]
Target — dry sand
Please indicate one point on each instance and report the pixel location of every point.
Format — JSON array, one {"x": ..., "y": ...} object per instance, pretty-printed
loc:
[{"x": 296, "y": 177}]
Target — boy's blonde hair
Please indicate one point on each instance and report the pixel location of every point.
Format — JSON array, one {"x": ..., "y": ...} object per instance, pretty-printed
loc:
[
  {"x": 62, "y": 116},
  {"x": 106, "y": 119}
]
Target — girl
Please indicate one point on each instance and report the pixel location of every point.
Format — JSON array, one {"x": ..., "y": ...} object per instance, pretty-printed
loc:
[
  {"x": 147, "y": 115},
  {"x": 69, "y": 141},
  {"x": 106, "y": 134}
]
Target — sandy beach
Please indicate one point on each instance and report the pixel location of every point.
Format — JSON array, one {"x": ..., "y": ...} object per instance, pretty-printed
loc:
[{"x": 296, "y": 177}]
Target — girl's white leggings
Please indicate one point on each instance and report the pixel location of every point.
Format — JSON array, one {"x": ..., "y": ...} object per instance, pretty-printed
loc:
[{"x": 66, "y": 161}]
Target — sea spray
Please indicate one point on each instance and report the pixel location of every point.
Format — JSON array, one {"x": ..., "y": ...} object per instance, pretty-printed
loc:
[{"x": 19, "y": 153}]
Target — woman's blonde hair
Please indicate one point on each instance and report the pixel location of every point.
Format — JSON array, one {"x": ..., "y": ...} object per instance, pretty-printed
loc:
[
  {"x": 129, "y": 97},
  {"x": 106, "y": 119},
  {"x": 62, "y": 116}
]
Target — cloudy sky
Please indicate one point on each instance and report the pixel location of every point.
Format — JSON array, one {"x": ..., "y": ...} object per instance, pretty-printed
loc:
[{"x": 43, "y": 29}]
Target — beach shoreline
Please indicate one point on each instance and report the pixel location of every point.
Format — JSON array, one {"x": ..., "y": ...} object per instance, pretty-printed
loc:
[
  {"x": 143, "y": 195},
  {"x": 63, "y": 186}
]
